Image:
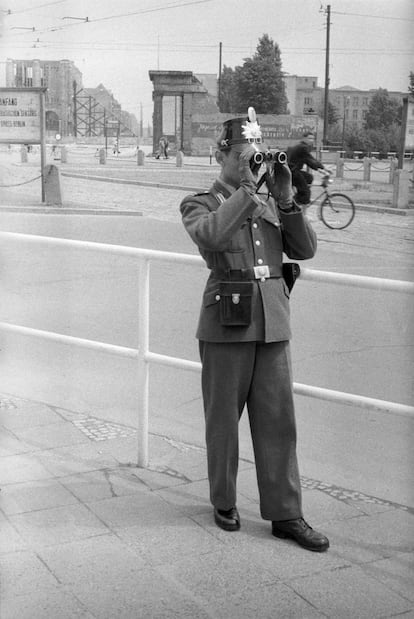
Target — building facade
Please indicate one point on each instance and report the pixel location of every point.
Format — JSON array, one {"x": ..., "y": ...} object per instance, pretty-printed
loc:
[
  {"x": 58, "y": 77},
  {"x": 351, "y": 104},
  {"x": 70, "y": 109},
  {"x": 303, "y": 94}
]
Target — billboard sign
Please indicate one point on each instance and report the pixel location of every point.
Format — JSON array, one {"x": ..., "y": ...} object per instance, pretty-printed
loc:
[{"x": 21, "y": 115}]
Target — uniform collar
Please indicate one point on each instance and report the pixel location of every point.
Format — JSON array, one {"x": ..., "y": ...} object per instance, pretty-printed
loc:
[{"x": 224, "y": 188}]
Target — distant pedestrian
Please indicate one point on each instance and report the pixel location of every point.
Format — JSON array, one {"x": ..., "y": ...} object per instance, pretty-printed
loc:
[{"x": 163, "y": 147}]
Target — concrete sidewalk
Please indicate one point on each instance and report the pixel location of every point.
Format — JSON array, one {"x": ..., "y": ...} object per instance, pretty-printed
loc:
[{"x": 85, "y": 533}]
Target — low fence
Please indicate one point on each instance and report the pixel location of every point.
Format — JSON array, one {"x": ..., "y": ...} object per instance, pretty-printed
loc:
[{"x": 144, "y": 356}]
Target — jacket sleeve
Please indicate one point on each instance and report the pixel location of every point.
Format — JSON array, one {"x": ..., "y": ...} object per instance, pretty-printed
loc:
[
  {"x": 299, "y": 238},
  {"x": 311, "y": 162},
  {"x": 212, "y": 229}
]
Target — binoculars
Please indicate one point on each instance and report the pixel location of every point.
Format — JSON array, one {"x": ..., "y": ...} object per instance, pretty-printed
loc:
[{"x": 276, "y": 156}]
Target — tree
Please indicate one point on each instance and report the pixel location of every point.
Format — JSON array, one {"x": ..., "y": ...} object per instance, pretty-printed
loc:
[
  {"x": 383, "y": 111},
  {"x": 333, "y": 113},
  {"x": 258, "y": 83},
  {"x": 227, "y": 90}
]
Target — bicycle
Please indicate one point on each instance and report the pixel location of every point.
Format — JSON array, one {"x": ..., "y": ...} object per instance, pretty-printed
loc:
[{"x": 336, "y": 210}]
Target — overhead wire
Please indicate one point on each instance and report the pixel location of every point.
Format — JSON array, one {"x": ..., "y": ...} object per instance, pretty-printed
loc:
[
  {"x": 90, "y": 20},
  {"x": 387, "y": 17},
  {"x": 194, "y": 47},
  {"x": 33, "y": 8}
]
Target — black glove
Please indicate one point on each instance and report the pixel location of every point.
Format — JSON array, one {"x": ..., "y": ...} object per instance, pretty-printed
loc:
[
  {"x": 279, "y": 182},
  {"x": 248, "y": 176}
]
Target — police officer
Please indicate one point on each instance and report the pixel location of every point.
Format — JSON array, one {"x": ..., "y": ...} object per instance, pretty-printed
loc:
[
  {"x": 244, "y": 329},
  {"x": 299, "y": 156}
]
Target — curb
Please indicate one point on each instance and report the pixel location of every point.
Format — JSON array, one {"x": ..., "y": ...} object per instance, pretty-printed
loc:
[
  {"x": 61, "y": 210},
  {"x": 384, "y": 209},
  {"x": 120, "y": 181}
]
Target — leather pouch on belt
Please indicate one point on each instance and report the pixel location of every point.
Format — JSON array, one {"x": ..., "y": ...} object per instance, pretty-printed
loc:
[
  {"x": 291, "y": 271},
  {"x": 236, "y": 303}
]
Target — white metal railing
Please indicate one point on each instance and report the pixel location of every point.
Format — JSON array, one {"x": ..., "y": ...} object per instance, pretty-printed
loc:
[{"x": 144, "y": 356}]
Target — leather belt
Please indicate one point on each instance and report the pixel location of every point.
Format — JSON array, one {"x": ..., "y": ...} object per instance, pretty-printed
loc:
[{"x": 261, "y": 272}]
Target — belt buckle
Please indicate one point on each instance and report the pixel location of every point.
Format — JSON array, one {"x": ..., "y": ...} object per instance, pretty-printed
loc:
[{"x": 261, "y": 271}]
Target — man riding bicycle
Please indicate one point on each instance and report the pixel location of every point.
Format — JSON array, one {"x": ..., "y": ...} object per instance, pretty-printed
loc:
[{"x": 298, "y": 156}]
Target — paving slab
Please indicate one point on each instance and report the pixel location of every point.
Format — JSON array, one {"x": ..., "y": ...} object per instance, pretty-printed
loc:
[
  {"x": 177, "y": 540},
  {"x": 19, "y": 498},
  {"x": 70, "y": 460},
  {"x": 57, "y": 525},
  {"x": 45, "y": 605},
  {"x": 26, "y": 414},
  {"x": 103, "y": 484},
  {"x": 120, "y": 512},
  {"x": 21, "y": 468},
  {"x": 266, "y": 601},
  {"x": 350, "y": 592},
  {"x": 24, "y": 573},
  {"x": 10, "y": 540},
  {"x": 146, "y": 593},
  {"x": 10, "y": 445},
  {"x": 380, "y": 534},
  {"x": 396, "y": 572},
  {"x": 59, "y": 434},
  {"x": 96, "y": 559}
]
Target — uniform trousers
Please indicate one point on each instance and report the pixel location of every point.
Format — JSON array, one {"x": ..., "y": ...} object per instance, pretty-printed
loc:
[
  {"x": 259, "y": 375},
  {"x": 302, "y": 180}
]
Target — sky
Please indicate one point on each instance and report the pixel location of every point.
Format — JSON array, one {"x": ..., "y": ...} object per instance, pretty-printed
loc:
[{"x": 371, "y": 42}]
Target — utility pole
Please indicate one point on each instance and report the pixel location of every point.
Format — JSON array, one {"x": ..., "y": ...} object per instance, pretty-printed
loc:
[
  {"x": 219, "y": 75},
  {"x": 326, "y": 103}
]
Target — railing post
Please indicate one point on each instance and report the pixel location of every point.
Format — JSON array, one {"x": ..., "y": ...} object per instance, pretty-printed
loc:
[
  {"x": 143, "y": 369},
  {"x": 340, "y": 168},
  {"x": 367, "y": 169},
  {"x": 393, "y": 167}
]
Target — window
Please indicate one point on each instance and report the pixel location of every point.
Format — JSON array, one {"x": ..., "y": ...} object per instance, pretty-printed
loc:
[
  {"x": 355, "y": 100},
  {"x": 355, "y": 114},
  {"x": 28, "y": 77},
  {"x": 364, "y": 100},
  {"x": 308, "y": 100}
]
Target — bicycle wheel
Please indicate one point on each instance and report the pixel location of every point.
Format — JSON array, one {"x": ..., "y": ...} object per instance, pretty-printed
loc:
[{"x": 337, "y": 211}]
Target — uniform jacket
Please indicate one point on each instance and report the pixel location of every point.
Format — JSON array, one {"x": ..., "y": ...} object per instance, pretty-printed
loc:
[
  {"x": 233, "y": 230},
  {"x": 300, "y": 155}
]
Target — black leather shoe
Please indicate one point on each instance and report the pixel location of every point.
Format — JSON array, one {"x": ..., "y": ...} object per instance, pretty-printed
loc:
[
  {"x": 301, "y": 532},
  {"x": 228, "y": 519}
]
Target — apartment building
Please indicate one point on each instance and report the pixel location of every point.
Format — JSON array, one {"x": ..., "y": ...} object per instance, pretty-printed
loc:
[
  {"x": 70, "y": 108},
  {"x": 303, "y": 94},
  {"x": 55, "y": 75},
  {"x": 352, "y": 104},
  {"x": 306, "y": 97}
]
